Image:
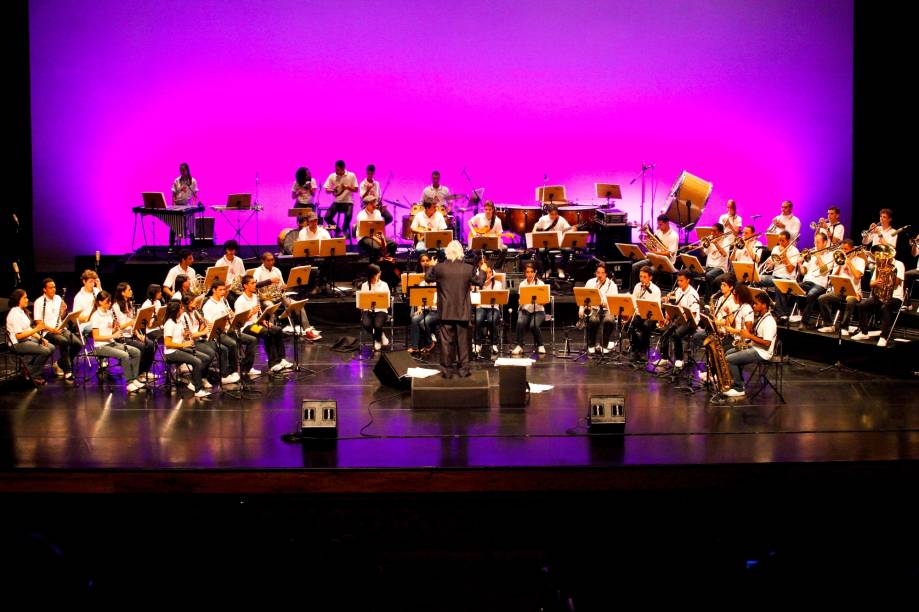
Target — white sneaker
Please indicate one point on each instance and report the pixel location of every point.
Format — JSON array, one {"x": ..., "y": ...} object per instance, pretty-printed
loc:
[
  {"x": 734, "y": 393},
  {"x": 494, "y": 349},
  {"x": 607, "y": 351},
  {"x": 678, "y": 364},
  {"x": 882, "y": 342},
  {"x": 191, "y": 386},
  {"x": 202, "y": 393},
  {"x": 541, "y": 350},
  {"x": 844, "y": 332},
  {"x": 385, "y": 340},
  {"x": 591, "y": 350},
  {"x": 277, "y": 367},
  {"x": 561, "y": 274},
  {"x": 433, "y": 338},
  {"x": 860, "y": 336},
  {"x": 376, "y": 345},
  {"x": 874, "y": 334},
  {"x": 288, "y": 329},
  {"x": 794, "y": 319},
  {"x": 286, "y": 364},
  {"x": 611, "y": 345},
  {"x": 206, "y": 384},
  {"x": 518, "y": 350},
  {"x": 254, "y": 372},
  {"x": 134, "y": 386},
  {"x": 476, "y": 348},
  {"x": 228, "y": 380},
  {"x": 829, "y": 329},
  {"x": 703, "y": 376}
]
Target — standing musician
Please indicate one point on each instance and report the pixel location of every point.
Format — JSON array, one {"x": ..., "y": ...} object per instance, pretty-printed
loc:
[
  {"x": 640, "y": 329},
  {"x": 893, "y": 271},
  {"x": 303, "y": 191},
  {"x": 759, "y": 343},
  {"x": 370, "y": 192},
  {"x": 51, "y": 309},
  {"x": 108, "y": 341},
  {"x": 881, "y": 232},
  {"x": 816, "y": 278},
  {"x": 436, "y": 192},
  {"x": 671, "y": 341},
  {"x": 272, "y": 337},
  {"x": 751, "y": 249},
  {"x": 275, "y": 291},
  {"x": 454, "y": 279},
  {"x": 786, "y": 221},
  {"x": 124, "y": 317},
  {"x": 730, "y": 221},
  {"x": 183, "y": 267},
  {"x": 427, "y": 220},
  {"x": 716, "y": 258},
  {"x": 487, "y": 315},
  {"x": 155, "y": 299},
  {"x": 424, "y": 319},
  {"x": 374, "y": 321},
  {"x": 376, "y": 245},
  {"x": 85, "y": 299},
  {"x": 180, "y": 347},
  {"x": 599, "y": 314},
  {"x": 671, "y": 241},
  {"x": 342, "y": 184},
  {"x": 235, "y": 267},
  {"x": 832, "y": 228},
  {"x": 854, "y": 268},
  {"x": 552, "y": 221},
  {"x": 786, "y": 268},
  {"x": 215, "y": 307},
  {"x": 25, "y": 339},
  {"x": 530, "y": 316}
]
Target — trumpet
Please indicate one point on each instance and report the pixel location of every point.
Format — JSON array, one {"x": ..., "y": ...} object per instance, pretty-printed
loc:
[
  {"x": 873, "y": 228},
  {"x": 774, "y": 225},
  {"x": 815, "y": 225}
]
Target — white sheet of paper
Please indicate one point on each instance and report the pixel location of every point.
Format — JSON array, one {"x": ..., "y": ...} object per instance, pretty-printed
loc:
[
  {"x": 537, "y": 388},
  {"x": 514, "y": 361},
  {"x": 421, "y": 372}
]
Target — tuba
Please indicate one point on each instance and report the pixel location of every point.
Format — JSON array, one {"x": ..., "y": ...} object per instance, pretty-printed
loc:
[{"x": 885, "y": 272}]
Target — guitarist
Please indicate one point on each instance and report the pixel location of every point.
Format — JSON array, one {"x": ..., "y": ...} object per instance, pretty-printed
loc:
[
  {"x": 548, "y": 223},
  {"x": 488, "y": 224}
]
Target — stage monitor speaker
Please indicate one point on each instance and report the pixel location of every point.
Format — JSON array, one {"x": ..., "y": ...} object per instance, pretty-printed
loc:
[
  {"x": 606, "y": 414},
  {"x": 607, "y": 235},
  {"x": 392, "y": 369},
  {"x": 620, "y": 271},
  {"x": 438, "y": 392},
  {"x": 512, "y": 386},
  {"x": 319, "y": 418},
  {"x": 204, "y": 232}
]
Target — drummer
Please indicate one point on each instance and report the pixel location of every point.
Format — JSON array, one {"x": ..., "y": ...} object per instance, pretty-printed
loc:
[
  {"x": 547, "y": 223},
  {"x": 427, "y": 220},
  {"x": 436, "y": 192}
]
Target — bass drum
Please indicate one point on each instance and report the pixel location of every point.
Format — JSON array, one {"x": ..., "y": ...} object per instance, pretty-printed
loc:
[
  {"x": 287, "y": 238},
  {"x": 576, "y": 215},
  {"x": 688, "y": 189},
  {"x": 518, "y": 219},
  {"x": 407, "y": 227}
]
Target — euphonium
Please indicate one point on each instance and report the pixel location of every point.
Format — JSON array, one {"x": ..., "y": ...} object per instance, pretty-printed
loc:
[{"x": 885, "y": 273}]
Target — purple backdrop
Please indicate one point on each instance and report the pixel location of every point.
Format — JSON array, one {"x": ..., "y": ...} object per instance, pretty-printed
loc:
[{"x": 755, "y": 97}]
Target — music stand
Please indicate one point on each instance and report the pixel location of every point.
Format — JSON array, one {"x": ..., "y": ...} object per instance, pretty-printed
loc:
[
  {"x": 630, "y": 251},
  {"x": 410, "y": 279},
  {"x": 217, "y": 327},
  {"x": 299, "y": 276},
  {"x": 153, "y": 199},
  {"x": 551, "y": 194},
  {"x": 676, "y": 314},
  {"x": 649, "y": 310},
  {"x": 437, "y": 239},
  {"x": 691, "y": 262},
  {"x": 143, "y": 320},
  {"x": 297, "y": 212},
  {"x": 661, "y": 263},
  {"x": 294, "y": 308},
  {"x": 332, "y": 248},
  {"x": 485, "y": 243},
  {"x": 369, "y": 227},
  {"x": 544, "y": 240},
  {"x": 537, "y": 294},
  {"x": 843, "y": 287},
  {"x": 212, "y": 274},
  {"x": 495, "y": 297},
  {"x": 746, "y": 272},
  {"x": 266, "y": 312},
  {"x": 771, "y": 241},
  {"x": 586, "y": 298},
  {"x": 702, "y": 231},
  {"x": 608, "y": 191},
  {"x": 623, "y": 304},
  {"x": 789, "y": 287},
  {"x": 422, "y": 296},
  {"x": 160, "y": 317},
  {"x": 575, "y": 240},
  {"x": 305, "y": 248}
]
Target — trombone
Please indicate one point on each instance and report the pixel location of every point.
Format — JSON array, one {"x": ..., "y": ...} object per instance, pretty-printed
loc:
[{"x": 704, "y": 242}]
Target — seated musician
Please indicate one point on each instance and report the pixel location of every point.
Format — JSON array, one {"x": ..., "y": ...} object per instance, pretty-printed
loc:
[
  {"x": 235, "y": 267},
  {"x": 599, "y": 314},
  {"x": 640, "y": 331},
  {"x": 378, "y": 245},
  {"x": 107, "y": 341},
  {"x": 549, "y": 222},
  {"x": 487, "y": 315},
  {"x": 123, "y": 307},
  {"x": 668, "y": 237},
  {"x": 276, "y": 289},
  {"x": 304, "y": 190},
  {"x": 51, "y": 309},
  {"x": 374, "y": 322},
  {"x": 180, "y": 348},
  {"x": 427, "y": 220},
  {"x": 228, "y": 340},
  {"x": 311, "y": 229},
  {"x": 369, "y": 190},
  {"x": 750, "y": 253},
  {"x": 758, "y": 344},
  {"x": 423, "y": 331},
  {"x": 884, "y": 298},
  {"x": 530, "y": 316},
  {"x": 489, "y": 224},
  {"x": 722, "y": 308},
  {"x": 671, "y": 343},
  {"x": 25, "y": 339},
  {"x": 716, "y": 259},
  {"x": 854, "y": 268},
  {"x": 85, "y": 299},
  {"x": 183, "y": 267},
  {"x": 816, "y": 277},
  {"x": 881, "y": 232},
  {"x": 182, "y": 288},
  {"x": 342, "y": 184},
  {"x": 184, "y": 193},
  {"x": 194, "y": 321},
  {"x": 155, "y": 299},
  {"x": 786, "y": 268},
  {"x": 271, "y": 335}
]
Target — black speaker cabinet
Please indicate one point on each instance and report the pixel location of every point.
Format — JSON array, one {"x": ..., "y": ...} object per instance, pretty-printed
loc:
[
  {"x": 512, "y": 386},
  {"x": 437, "y": 392},
  {"x": 391, "y": 369}
]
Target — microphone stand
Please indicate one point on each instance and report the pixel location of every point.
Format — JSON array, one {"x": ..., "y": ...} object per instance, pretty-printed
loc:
[{"x": 644, "y": 168}]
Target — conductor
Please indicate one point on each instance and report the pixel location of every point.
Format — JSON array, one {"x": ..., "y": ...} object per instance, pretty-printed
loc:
[{"x": 454, "y": 278}]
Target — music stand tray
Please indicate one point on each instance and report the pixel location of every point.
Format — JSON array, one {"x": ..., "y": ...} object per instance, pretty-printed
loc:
[
  {"x": 702, "y": 232},
  {"x": 160, "y": 317},
  {"x": 542, "y": 240},
  {"x": 239, "y": 319},
  {"x": 575, "y": 240},
  {"x": 143, "y": 319},
  {"x": 368, "y": 227},
  {"x": 422, "y": 297},
  {"x": 588, "y": 297},
  {"x": 333, "y": 247},
  {"x": 267, "y": 312},
  {"x": 608, "y": 191},
  {"x": 675, "y": 312},
  {"x": 153, "y": 199},
  {"x": 215, "y": 273},
  {"x": 410, "y": 279},
  {"x": 305, "y": 248},
  {"x": 754, "y": 291},
  {"x": 540, "y": 292},
  {"x": 771, "y": 241},
  {"x": 746, "y": 272},
  {"x": 293, "y": 308},
  {"x": 494, "y": 297},
  {"x": 624, "y": 301},
  {"x": 661, "y": 263},
  {"x": 239, "y": 200},
  {"x": 649, "y": 310},
  {"x": 551, "y": 194},
  {"x": 219, "y": 324},
  {"x": 692, "y": 262},
  {"x": 487, "y": 243},
  {"x": 788, "y": 286},
  {"x": 630, "y": 251},
  {"x": 437, "y": 239},
  {"x": 296, "y": 212},
  {"x": 299, "y": 276},
  {"x": 372, "y": 300},
  {"x": 844, "y": 287}
]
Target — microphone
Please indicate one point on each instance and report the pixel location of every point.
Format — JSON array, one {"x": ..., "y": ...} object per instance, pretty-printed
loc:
[
  {"x": 755, "y": 216},
  {"x": 97, "y": 261},
  {"x": 632, "y": 182},
  {"x": 16, "y": 271},
  {"x": 16, "y": 221}
]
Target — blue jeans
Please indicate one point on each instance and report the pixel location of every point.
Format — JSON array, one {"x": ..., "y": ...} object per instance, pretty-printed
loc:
[
  {"x": 486, "y": 319},
  {"x": 531, "y": 321},
  {"x": 813, "y": 290},
  {"x": 37, "y": 354},
  {"x": 128, "y": 356},
  {"x": 423, "y": 323},
  {"x": 736, "y": 360}
]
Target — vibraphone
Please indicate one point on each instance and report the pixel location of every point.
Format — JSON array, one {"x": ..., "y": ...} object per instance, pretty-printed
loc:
[{"x": 179, "y": 220}]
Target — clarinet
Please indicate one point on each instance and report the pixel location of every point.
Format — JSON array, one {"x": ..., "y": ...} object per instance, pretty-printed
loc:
[{"x": 188, "y": 335}]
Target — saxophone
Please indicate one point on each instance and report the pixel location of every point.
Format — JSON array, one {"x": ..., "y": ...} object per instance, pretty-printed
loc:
[
  {"x": 718, "y": 369},
  {"x": 886, "y": 276}
]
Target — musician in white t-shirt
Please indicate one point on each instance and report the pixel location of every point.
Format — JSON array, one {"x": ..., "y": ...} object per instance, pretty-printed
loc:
[
  {"x": 552, "y": 222},
  {"x": 268, "y": 272},
  {"x": 377, "y": 245},
  {"x": 832, "y": 228},
  {"x": 786, "y": 221},
  {"x": 730, "y": 221},
  {"x": 786, "y": 268},
  {"x": 180, "y": 347},
  {"x": 761, "y": 340},
  {"x": 85, "y": 299},
  {"x": 424, "y": 321},
  {"x": 599, "y": 314},
  {"x": 888, "y": 310},
  {"x": 668, "y": 237},
  {"x": 716, "y": 257},
  {"x": 816, "y": 272},
  {"x": 436, "y": 192},
  {"x": 271, "y": 335},
  {"x": 25, "y": 339},
  {"x": 184, "y": 187},
  {"x": 369, "y": 190},
  {"x": 374, "y": 321},
  {"x": 486, "y": 315},
  {"x": 881, "y": 232},
  {"x": 183, "y": 267},
  {"x": 341, "y": 184},
  {"x": 235, "y": 266},
  {"x": 427, "y": 220},
  {"x": 50, "y": 308},
  {"x": 530, "y": 316},
  {"x": 640, "y": 330},
  {"x": 671, "y": 341},
  {"x": 229, "y": 339},
  {"x": 108, "y": 340},
  {"x": 854, "y": 268},
  {"x": 303, "y": 191}
]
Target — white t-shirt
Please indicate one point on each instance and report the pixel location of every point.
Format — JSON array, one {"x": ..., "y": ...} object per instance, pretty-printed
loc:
[
  {"x": 724, "y": 306},
  {"x": 364, "y": 216},
  {"x": 174, "y": 272},
  {"x": 122, "y": 318},
  {"x": 652, "y": 292},
  {"x": 901, "y": 274},
  {"x": 305, "y": 196},
  {"x": 689, "y": 299},
  {"x": 377, "y": 286},
  {"x": 320, "y": 234},
  {"x": 348, "y": 179},
  {"x": 369, "y": 191},
  {"x": 742, "y": 316},
  {"x": 176, "y": 331},
  {"x": 529, "y": 307},
  {"x": 437, "y": 194},
  {"x": 423, "y": 223},
  {"x": 181, "y": 192},
  {"x": 792, "y": 225},
  {"x": 766, "y": 329},
  {"x": 607, "y": 288},
  {"x": 856, "y": 263},
  {"x": 545, "y": 221},
  {"x": 481, "y": 222},
  {"x": 835, "y": 232},
  {"x": 244, "y": 303},
  {"x": 743, "y": 256},
  {"x": 887, "y": 234},
  {"x": 780, "y": 270},
  {"x": 214, "y": 309},
  {"x": 85, "y": 300},
  {"x": 47, "y": 310},
  {"x": 262, "y": 274},
  {"x": 104, "y": 322},
  {"x": 476, "y": 299},
  {"x": 736, "y": 221},
  {"x": 812, "y": 269},
  {"x": 714, "y": 259},
  {"x": 17, "y": 321},
  {"x": 236, "y": 268}
]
